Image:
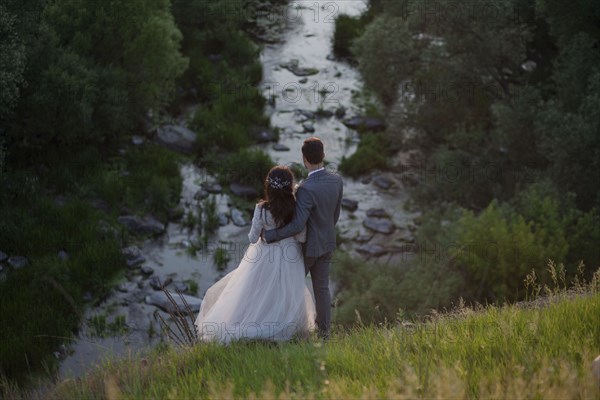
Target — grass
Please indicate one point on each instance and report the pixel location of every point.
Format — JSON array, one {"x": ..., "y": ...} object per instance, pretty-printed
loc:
[{"x": 499, "y": 352}]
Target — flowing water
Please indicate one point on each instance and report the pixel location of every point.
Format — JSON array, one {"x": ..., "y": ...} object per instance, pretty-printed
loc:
[{"x": 306, "y": 39}]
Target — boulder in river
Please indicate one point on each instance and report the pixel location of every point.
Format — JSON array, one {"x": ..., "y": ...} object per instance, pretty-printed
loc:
[
  {"x": 223, "y": 219},
  {"x": 212, "y": 187},
  {"x": 266, "y": 136},
  {"x": 177, "y": 138},
  {"x": 363, "y": 238},
  {"x": 377, "y": 213},
  {"x": 3, "y": 256},
  {"x": 372, "y": 250},
  {"x": 133, "y": 256},
  {"x": 383, "y": 182},
  {"x": 238, "y": 217},
  {"x": 307, "y": 114},
  {"x": 142, "y": 225},
  {"x": 350, "y": 205},
  {"x": 245, "y": 191},
  {"x": 161, "y": 300},
  {"x": 294, "y": 67},
  {"x": 280, "y": 147},
  {"x": 379, "y": 225},
  {"x": 146, "y": 270},
  {"x": 201, "y": 194},
  {"x": 365, "y": 123},
  {"x": 308, "y": 128},
  {"x": 179, "y": 287},
  {"x": 157, "y": 284}
]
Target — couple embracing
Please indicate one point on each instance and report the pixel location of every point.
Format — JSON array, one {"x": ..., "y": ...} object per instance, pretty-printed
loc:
[{"x": 292, "y": 235}]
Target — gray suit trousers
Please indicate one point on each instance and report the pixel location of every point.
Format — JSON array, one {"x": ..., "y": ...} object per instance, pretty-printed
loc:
[{"x": 319, "y": 273}]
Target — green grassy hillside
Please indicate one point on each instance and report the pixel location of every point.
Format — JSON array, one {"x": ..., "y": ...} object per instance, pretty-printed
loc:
[{"x": 541, "y": 350}]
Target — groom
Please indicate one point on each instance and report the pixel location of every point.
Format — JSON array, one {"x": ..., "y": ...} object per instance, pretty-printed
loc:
[{"x": 318, "y": 202}]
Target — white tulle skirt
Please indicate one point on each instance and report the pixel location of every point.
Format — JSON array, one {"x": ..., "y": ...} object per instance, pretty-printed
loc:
[{"x": 266, "y": 297}]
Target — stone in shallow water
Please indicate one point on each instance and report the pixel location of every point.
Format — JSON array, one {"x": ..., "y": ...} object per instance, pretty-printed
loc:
[
  {"x": 377, "y": 213},
  {"x": 238, "y": 217},
  {"x": 161, "y": 300},
  {"x": 223, "y": 219},
  {"x": 280, "y": 147},
  {"x": 363, "y": 238},
  {"x": 350, "y": 205},
  {"x": 365, "y": 123},
  {"x": 146, "y": 270},
  {"x": 294, "y": 67},
  {"x": 176, "y": 138},
  {"x": 308, "y": 128},
  {"x": 212, "y": 187},
  {"x": 179, "y": 286},
  {"x": 157, "y": 284},
  {"x": 372, "y": 250},
  {"x": 133, "y": 256},
  {"x": 141, "y": 225},
  {"x": 127, "y": 287},
  {"x": 3, "y": 256},
  {"x": 383, "y": 182},
  {"x": 18, "y": 262},
  {"x": 379, "y": 225},
  {"x": 266, "y": 136},
  {"x": 201, "y": 194}
]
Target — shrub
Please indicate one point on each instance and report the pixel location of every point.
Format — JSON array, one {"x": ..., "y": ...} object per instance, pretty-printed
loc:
[
  {"x": 347, "y": 28},
  {"x": 384, "y": 292},
  {"x": 372, "y": 154},
  {"x": 249, "y": 167}
]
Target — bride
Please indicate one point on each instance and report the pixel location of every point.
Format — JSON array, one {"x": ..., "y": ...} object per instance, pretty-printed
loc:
[{"x": 266, "y": 297}]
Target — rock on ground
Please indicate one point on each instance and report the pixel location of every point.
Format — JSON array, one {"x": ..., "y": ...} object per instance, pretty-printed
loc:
[
  {"x": 177, "y": 138},
  {"x": 142, "y": 225},
  {"x": 161, "y": 300},
  {"x": 379, "y": 225}
]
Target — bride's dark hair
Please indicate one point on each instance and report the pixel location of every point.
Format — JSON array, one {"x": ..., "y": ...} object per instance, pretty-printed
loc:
[{"x": 279, "y": 194}]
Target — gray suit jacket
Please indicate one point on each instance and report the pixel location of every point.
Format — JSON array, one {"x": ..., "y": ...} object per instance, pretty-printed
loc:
[{"x": 318, "y": 202}]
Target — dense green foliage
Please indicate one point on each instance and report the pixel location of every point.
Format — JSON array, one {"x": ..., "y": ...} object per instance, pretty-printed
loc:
[
  {"x": 503, "y": 102},
  {"x": 78, "y": 80},
  {"x": 492, "y": 353},
  {"x": 373, "y": 153}
]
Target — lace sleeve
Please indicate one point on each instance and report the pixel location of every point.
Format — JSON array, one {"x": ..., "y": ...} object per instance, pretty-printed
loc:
[
  {"x": 257, "y": 225},
  {"x": 301, "y": 237}
]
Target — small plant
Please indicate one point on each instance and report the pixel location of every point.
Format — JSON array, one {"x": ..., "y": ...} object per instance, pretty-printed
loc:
[
  {"x": 184, "y": 333},
  {"x": 192, "y": 286},
  {"x": 221, "y": 258},
  {"x": 189, "y": 221},
  {"x": 211, "y": 218}
]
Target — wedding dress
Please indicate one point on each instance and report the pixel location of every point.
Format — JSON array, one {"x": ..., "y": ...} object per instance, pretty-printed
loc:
[{"x": 265, "y": 297}]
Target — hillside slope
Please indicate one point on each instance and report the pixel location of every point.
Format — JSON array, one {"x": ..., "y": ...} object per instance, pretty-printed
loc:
[{"x": 508, "y": 352}]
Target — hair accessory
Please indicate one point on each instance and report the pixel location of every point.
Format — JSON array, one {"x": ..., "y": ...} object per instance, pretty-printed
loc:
[{"x": 277, "y": 183}]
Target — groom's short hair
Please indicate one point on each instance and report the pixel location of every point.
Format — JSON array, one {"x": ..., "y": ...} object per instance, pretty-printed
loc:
[{"x": 312, "y": 150}]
